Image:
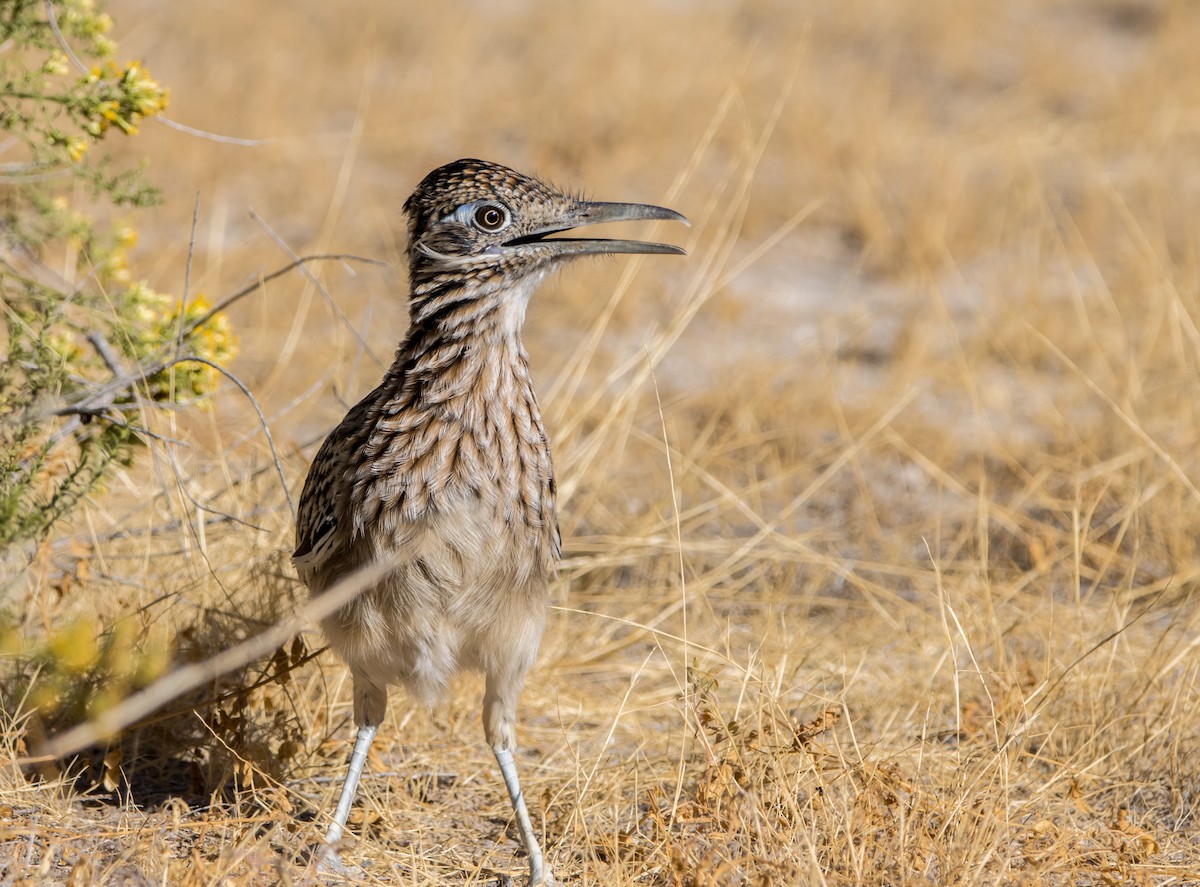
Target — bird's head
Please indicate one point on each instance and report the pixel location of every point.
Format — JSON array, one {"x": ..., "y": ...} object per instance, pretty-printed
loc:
[{"x": 479, "y": 222}]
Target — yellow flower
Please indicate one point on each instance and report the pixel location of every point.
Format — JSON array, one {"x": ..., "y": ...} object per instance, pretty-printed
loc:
[
  {"x": 74, "y": 648},
  {"x": 56, "y": 65},
  {"x": 76, "y": 147},
  {"x": 63, "y": 343},
  {"x": 116, "y": 267},
  {"x": 126, "y": 236},
  {"x": 146, "y": 97}
]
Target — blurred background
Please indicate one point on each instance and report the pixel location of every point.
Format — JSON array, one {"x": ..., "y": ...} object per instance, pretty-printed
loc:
[
  {"x": 879, "y": 509},
  {"x": 847, "y": 167}
]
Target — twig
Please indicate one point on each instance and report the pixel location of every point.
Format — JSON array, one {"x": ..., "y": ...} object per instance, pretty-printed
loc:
[
  {"x": 262, "y": 419},
  {"x": 106, "y": 353},
  {"x": 321, "y": 288},
  {"x": 187, "y": 273},
  {"x": 202, "y": 506},
  {"x": 296, "y": 263},
  {"x": 211, "y": 136},
  {"x": 220, "y": 698},
  {"x": 95, "y": 402},
  {"x": 137, "y": 429},
  {"x": 62, "y": 41},
  {"x": 165, "y": 121}
]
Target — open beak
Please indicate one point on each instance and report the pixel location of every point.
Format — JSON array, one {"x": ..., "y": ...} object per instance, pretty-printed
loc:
[{"x": 592, "y": 213}]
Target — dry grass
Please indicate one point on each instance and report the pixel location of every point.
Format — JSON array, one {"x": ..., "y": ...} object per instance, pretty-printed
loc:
[{"x": 880, "y": 509}]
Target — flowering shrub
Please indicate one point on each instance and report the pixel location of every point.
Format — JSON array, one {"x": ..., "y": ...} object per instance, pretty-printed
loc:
[{"x": 86, "y": 345}]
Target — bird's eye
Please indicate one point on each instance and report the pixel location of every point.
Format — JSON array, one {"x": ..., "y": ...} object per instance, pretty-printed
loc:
[{"x": 491, "y": 217}]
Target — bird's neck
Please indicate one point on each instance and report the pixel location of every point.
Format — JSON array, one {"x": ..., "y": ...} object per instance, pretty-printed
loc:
[
  {"x": 463, "y": 341},
  {"x": 458, "y": 393},
  {"x": 488, "y": 307}
]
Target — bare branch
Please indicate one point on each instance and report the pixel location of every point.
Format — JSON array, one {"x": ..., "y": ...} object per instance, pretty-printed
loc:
[
  {"x": 98, "y": 400},
  {"x": 329, "y": 300},
  {"x": 187, "y": 273},
  {"x": 62, "y": 41},
  {"x": 247, "y": 290},
  {"x": 262, "y": 419},
  {"x": 106, "y": 352},
  {"x": 211, "y": 136},
  {"x": 165, "y": 121}
]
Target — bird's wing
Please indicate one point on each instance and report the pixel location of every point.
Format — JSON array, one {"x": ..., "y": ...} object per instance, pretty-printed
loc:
[
  {"x": 320, "y": 527},
  {"x": 312, "y": 550},
  {"x": 316, "y": 520}
]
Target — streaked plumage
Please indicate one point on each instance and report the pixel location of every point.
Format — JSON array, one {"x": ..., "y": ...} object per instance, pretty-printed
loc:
[{"x": 444, "y": 469}]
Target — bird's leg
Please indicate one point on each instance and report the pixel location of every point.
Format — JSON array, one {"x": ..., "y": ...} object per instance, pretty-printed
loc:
[
  {"x": 499, "y": 718},
  {"x": 538, "y": 873},
  {"x": 362, "y": 745}
]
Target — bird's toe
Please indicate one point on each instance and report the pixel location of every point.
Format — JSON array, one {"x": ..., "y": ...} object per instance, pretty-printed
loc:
[{"x": 328, "y": 864}]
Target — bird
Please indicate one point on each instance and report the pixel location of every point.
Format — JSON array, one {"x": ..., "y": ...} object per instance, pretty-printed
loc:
[{"x": 441, "y": 477}]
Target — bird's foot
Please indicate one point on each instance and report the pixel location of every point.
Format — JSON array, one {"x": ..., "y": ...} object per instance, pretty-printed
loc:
[
  {"x": 327, "y": 862},
  {"x": 546, "y": 880}
]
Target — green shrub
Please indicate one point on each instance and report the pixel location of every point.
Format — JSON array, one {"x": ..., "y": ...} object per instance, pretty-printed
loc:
[{"x": 87, "y": 347}]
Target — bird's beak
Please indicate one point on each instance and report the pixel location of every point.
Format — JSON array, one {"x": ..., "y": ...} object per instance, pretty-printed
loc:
[{"x": 592, "y": 213}]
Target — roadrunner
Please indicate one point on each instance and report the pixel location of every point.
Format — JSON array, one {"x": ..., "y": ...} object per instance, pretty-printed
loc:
[{"x": 443, "y": 472}]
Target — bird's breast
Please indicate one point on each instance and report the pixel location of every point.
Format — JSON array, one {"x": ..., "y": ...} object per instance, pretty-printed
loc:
[{"x": 481, "y": 447}]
